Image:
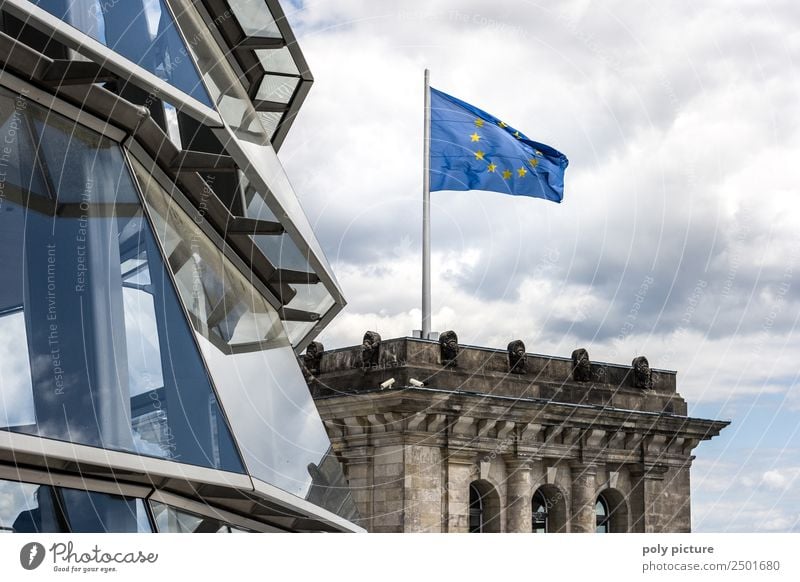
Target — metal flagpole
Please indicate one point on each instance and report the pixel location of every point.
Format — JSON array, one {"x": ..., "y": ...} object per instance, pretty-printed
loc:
[{"x": 426, "y": 215}]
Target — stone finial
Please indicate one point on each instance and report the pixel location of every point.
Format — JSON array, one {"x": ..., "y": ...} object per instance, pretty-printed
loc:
[
  {"x": 517, "y": 360},
  {"x": 448, "y": 346},
  {"x": 371, "y": 349},
  {"x": 581, "y": 366},
  {"x": 642, "y": 376},
  {"x": 313, "y": 357}
]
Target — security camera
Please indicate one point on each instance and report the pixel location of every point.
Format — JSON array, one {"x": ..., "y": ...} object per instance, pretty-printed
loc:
[
  {"x": 388, "y": 384},
  {"x": 416, "y": 383}
]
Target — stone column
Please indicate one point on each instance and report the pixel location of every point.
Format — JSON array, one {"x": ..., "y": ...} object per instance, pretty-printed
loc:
[
  {"x": 423, "y": 490},
  {"x": 583, "y": 498},
  {"x": 358, "y": 470},
  {"x": 461, "y": 471},
  {"x": 647, "y": 498},
  {"x": 519, "y": 494}
]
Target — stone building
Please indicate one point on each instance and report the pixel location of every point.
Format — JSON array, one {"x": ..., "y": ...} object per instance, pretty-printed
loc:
[{"x": 437, "y": 437}]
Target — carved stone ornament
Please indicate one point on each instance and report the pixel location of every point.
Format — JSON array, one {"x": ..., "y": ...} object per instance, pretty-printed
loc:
[
  {"x": 581, "y": 366},
  {"x": 517, "y": 360},
  {"x": 642, "y": 376},
  {"x": 313, "y": 357},
  {"x": 448, "y": 345},
  {"x": 370, "y": 349}
]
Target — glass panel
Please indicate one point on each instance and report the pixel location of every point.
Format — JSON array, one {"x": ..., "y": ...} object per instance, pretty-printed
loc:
[
  {"x": 110, "y": 359},
  {"x": 223, "y": 305},
  {"x": 16, "y": 389},
  {"x": 276, "y": 423},
  {"x": 297, "y": 330},
  {"x": 278, "y": 61},
  {"x": 226, "y": 89},
  {"x": 28, "y": 508},
  {"x": 255, "y": 18},
  {"x": 270, "y": 120},
  {"x": 277, "y": 88},
  {"x": 172, "y": 520},
  {"x": 91, "y": 512},
  {"x": 264, "y": 161},
  {"x": 140, "y": 30},
  {"x": 314, "y": 298}
]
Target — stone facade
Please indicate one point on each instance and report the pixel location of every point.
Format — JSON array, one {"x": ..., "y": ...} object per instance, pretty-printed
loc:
[{"x": 443, "y": 439}]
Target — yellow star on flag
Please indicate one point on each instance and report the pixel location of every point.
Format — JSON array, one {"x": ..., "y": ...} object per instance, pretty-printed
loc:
[
  {"x": 492, "y": 167},
  {"x": 534, "y": 162},
  {"x": 506, "y": 174},
  {"x": 475, "y": 136},
  {"x": 479, "y": 155},
  {"x": 522, "y": 172},
  {"x": 479, "y": 122},
  {"x": 517, "y": 135},
  {"x": 502, "y": 124}
]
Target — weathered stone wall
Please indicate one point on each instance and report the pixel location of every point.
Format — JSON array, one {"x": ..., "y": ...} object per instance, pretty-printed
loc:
[{"x": 411, "y": 452}]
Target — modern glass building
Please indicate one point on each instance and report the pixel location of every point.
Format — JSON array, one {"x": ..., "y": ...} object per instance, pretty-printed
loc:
[{"x": 159, "y": 274}]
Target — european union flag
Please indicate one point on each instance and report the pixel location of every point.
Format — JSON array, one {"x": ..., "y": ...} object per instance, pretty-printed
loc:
[{"x": 472, "y": 150}]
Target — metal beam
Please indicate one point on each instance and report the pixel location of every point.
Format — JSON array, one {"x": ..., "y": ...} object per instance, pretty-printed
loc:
[
  {"x": 247, "y": 226},
  {"x": 67, "y": 72},
  {"x": 288, "y": 276},
  {"x": 260, "y": 42},
  {"x": 262, "y": 105},
  {"x": 190, "y": 161},
  {"x": 288, "y": 314}
]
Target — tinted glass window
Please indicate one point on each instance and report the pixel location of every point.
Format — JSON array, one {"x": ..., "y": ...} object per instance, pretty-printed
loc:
[
  {"x": 91, "y": 512},
  {"x": 172, "y": 520},
  {"x": 28, "y": 508},
  {"x": 142, "y": 31},
  {"x": 94, "y": 345}
]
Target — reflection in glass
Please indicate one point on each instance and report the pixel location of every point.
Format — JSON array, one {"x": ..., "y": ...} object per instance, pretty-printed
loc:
[
  {"x": 92, "y": 512},
  {"x": 171, "y": 520},
  {"x": 225, "y": 87},
  {"x": 28, "y": 508},
  {"x": 16, "y": 390},
  {"x": 279, "y": 249},
  {"x": 255, "y": 18},
  {"x": 110, "y": 357},
  {"x": 278, "y": 60},
  {"x": 223, "y": 305},
  {"x": 276, "y": 423},
  {"x": 270, "y": 120},
  {"x": 142, "y": 31},
  {"x": 277, "y": 88}
]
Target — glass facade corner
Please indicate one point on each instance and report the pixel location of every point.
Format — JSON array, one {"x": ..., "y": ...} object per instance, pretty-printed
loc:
[{"x": 132, "y": 322}]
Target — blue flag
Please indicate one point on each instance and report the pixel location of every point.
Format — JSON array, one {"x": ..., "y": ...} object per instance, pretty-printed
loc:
[{"x": 472, "y": 150}]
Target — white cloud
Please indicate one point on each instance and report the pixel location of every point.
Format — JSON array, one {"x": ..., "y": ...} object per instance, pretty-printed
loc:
[{"x": 681, "y": 125}]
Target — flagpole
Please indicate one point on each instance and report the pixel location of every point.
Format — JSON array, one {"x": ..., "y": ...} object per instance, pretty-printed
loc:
[{"x": 426, "y": 215}]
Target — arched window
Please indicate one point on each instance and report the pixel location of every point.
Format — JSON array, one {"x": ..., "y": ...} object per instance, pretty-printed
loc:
[
  {"x": 476, "y": 514},
  {"x": 541, "y": 516},
  {"x": 603, "y": 515},
  {"x": 548, "y": 510},
  {"x": 484, "y": 508}
]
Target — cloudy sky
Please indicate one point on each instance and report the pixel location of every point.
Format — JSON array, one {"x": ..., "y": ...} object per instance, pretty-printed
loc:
[{"x": 681, "y": 210}]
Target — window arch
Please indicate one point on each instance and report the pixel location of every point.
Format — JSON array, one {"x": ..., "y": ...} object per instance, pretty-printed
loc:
[
  {"x": 548, "y": 510},
  {"x": 611, "y": 510},
  {"x": 541, "y": 513},
  {"x": 603, "y": 515},
  {"x": 484, "y": 508}
]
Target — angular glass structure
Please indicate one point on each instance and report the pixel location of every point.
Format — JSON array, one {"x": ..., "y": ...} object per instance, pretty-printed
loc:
[
  {"x": 142, "y": 31},
  {"x": 161, "y": 275}
]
